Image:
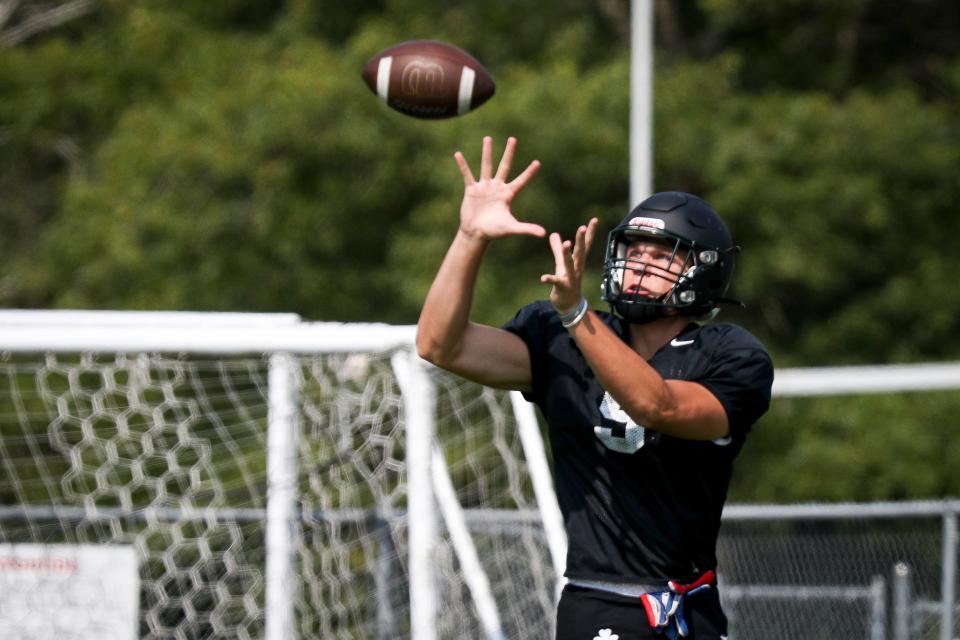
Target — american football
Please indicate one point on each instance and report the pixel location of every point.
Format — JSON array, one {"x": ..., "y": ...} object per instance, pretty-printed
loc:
[{"x": 428, "y": 79}]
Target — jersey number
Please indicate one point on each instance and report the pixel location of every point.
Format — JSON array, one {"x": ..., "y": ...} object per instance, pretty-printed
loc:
[{"x": 617, "y": 431}]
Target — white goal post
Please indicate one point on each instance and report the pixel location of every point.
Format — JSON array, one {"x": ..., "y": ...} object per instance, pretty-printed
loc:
[
  {"x": 92, "y": 375},
  {"x": 280, "y": 478}
]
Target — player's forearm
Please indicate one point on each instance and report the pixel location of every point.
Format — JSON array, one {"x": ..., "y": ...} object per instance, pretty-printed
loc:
[
  {"x": 446, "y": 310},
  {"x": 621, "y": 371}
]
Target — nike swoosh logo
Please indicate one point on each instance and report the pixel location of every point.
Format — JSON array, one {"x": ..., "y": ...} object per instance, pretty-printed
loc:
[{"x": 680, "y": 343}]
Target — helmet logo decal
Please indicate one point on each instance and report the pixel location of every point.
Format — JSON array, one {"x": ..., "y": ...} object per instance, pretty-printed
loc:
[
  {"x": 617, "y": 431},
  {"x": 641, "y": 221}
]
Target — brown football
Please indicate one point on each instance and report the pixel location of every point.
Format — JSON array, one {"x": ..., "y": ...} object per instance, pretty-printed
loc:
[{"x": 428, "y": 79}]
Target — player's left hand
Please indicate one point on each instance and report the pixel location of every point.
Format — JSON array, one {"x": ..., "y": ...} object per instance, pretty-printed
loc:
[{"x": 569, "y": 258}]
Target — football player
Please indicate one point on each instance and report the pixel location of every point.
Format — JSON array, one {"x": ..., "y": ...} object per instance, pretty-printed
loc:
[{"x": 647, "y": 406}]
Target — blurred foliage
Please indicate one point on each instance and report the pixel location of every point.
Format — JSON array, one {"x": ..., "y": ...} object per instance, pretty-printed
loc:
[
  {"x": 225, "y": 155},
  {"x": 878, "y": 447}
]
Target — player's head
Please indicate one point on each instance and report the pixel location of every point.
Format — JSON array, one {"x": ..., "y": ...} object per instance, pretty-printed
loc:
[{"x": 671, "y": 255}]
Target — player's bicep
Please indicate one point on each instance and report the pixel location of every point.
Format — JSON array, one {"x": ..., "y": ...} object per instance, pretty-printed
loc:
[
  {"x": 697, "y": 414},
  {"x": 494, "y": 357}
]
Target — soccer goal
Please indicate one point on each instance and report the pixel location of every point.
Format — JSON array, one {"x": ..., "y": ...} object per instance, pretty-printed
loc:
[{"x": 186, "y": 475}]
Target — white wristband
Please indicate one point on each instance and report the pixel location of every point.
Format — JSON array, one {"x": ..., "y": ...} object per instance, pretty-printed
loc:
[{"x": 574, "y": 317}]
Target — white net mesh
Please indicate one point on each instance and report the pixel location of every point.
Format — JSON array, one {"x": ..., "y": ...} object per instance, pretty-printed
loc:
[
  {"x": 484, "y": 455},
  {"x": 159, "y": 453},
  {"x": 168, "y": 454},
  {"x": 354, "y": 501}
]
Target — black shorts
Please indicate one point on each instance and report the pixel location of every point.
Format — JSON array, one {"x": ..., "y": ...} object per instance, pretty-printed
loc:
[{"x": 589, "y": 614}]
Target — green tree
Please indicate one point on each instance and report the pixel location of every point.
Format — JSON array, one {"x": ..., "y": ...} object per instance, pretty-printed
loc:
[{"x": 225, "y": 155}]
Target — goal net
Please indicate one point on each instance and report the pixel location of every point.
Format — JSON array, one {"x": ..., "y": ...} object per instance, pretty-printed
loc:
[{"x": 264, "y": 497}]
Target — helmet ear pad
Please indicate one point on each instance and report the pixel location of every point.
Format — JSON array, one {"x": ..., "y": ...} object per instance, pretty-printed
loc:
[{"x": 694, "y": 227}]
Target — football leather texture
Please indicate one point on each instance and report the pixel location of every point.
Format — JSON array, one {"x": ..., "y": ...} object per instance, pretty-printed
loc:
[{"x": 428, "y": 79}]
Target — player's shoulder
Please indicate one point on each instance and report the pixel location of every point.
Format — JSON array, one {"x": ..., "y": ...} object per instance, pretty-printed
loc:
[
  {"x": 728, "y": 335},
  {"x": 540, "y": 320},
  {"x": 534, "y": 320},
  {"x": 543, "y": 311},
  {"x": 541, "y": 308},
  {"x": 539, "y": 312}
]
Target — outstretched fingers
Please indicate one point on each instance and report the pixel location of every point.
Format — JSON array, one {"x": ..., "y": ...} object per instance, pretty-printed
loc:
[
  {"x": 468, "y": 178},
  {"x": 566, "y": 253},
  {"x": 506, "y": 160},
  {"x": 521, "y": 180},
  {"x": 503, "y": 169},
  {"x": 530, "y": 229},
  {"x": 591, "y": 232},
  {"x": 486, "y": 159},
  {"x": 561, "y": 262},
  {"x": 583, "y": 242},
  {"x": 579, "y": 249},
  {"x": 559, "y": 275},
  {"x": 562, "y": 255}
]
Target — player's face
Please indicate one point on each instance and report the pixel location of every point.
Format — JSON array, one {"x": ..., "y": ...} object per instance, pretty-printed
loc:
[{"x": 652, "y": 268}]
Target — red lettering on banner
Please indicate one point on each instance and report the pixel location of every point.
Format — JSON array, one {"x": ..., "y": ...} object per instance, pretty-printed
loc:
[{"x": 58, "y": 565}]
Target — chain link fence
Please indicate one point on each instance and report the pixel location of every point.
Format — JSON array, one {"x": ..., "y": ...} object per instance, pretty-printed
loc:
[{"x": 881, "y": 571}]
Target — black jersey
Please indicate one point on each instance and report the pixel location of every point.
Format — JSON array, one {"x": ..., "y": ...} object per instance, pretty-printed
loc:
[{"x": 638, "y": 505}]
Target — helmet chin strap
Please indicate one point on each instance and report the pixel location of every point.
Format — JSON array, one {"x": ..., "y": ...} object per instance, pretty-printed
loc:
[{"x": 639, "y": 313}]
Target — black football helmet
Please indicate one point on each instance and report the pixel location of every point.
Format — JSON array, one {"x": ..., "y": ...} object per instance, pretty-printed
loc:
[{"x": 695, "y": 232}]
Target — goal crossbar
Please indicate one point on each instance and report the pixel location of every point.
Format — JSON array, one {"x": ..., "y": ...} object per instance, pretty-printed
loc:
[{"x": 23, "y": 331}]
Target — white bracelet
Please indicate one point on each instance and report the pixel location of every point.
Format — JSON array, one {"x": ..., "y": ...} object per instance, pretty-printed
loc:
[{"x": 572, "y": 318}]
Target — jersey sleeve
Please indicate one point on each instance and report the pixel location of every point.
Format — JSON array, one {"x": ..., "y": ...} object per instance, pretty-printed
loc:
[
  {"x": 740, "y": 375},
  {"x": 531, "y": 325}
]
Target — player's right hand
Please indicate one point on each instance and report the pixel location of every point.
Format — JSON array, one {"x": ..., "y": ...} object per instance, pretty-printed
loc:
[
  {"x": 569, "y": 261},
  {"x": 485, "y": 212}
]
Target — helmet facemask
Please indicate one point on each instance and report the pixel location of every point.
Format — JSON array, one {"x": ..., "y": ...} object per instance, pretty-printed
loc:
[{"x": 683, "y": 275}]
